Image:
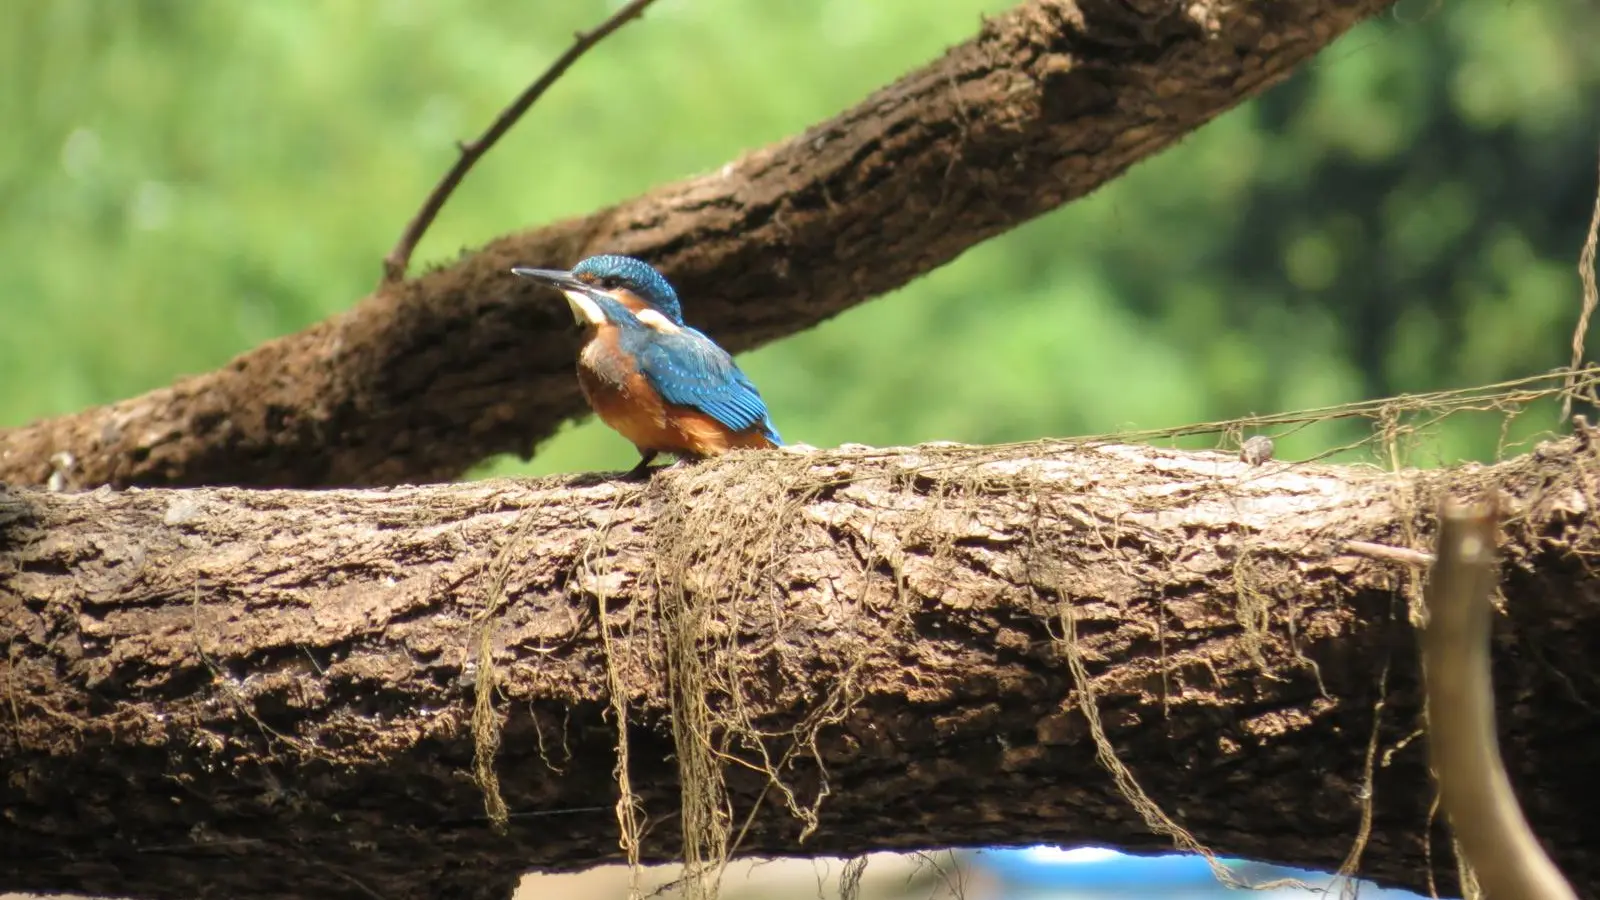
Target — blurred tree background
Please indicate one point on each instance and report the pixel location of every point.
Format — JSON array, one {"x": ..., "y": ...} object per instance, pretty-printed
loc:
[{"x": 180, "y": 181}]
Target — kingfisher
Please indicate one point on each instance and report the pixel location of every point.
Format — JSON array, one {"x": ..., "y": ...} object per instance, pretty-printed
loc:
[{"x": 664, "y": 386}]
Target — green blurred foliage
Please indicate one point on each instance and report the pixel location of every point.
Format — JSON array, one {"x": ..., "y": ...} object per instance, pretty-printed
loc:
[{"x": 180, "y": 181}]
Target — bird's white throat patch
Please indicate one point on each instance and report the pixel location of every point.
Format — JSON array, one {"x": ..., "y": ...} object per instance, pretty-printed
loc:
[{"x": 584, "y": 309}]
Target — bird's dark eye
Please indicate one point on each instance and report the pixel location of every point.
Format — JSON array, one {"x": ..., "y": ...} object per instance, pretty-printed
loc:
[{"x": 610, "y": 282}]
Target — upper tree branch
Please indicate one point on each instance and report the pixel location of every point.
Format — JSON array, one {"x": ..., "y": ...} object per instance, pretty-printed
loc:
[
  {"x": 269, "y": 694},
  {"x": 425, "y": 378}
]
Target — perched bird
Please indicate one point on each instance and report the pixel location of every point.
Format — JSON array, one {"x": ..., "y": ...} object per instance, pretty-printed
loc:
[{"x": 659, "y": 383}]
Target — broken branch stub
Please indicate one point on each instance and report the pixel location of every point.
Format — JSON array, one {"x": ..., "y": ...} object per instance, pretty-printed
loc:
[{"x": 1474, "y": 789}]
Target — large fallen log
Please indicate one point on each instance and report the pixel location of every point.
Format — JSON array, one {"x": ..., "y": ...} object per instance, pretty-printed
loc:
[{"x": 271, "y": 694}]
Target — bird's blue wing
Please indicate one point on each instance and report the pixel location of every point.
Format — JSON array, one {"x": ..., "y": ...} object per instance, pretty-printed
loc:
[{"x": 688, "y": 369}]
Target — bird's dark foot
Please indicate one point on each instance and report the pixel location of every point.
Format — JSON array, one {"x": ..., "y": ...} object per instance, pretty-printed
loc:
[{"x": 642, "y": 471}]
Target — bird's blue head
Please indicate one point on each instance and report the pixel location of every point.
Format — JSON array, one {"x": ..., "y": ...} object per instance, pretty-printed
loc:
[
  {"x": 620, "y": 276},
  {"x": 630, "y": 282}
]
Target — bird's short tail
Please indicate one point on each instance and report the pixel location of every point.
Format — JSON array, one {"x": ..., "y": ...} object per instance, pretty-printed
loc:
[{"x": 770, "y": 432}]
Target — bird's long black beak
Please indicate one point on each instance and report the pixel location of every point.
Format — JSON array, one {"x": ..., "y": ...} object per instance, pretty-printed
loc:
[
  {"x": 560, "y": 279},
  {"x": 580, "y": 294}
]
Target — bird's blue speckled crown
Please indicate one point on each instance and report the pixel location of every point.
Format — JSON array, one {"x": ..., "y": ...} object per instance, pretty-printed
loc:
[{"x": 637, "y": 276}]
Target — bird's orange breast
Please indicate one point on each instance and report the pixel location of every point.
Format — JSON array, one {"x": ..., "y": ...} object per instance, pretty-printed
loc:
[{"x": 623, "y": 398}]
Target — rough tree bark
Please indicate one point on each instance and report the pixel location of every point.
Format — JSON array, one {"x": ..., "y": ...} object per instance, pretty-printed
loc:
[
  {"x": 270, "y": 694},
  {"x": 419, "y": 382}
]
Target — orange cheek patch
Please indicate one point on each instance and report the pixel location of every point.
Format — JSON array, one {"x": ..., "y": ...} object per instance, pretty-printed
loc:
[{"x": 630, "y": 300}]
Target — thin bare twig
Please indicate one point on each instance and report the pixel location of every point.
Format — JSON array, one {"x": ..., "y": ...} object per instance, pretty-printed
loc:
[
  {"x": 1390, "y": 554},
  {"x": 399, "y": 258},
  {"x": 1591, "y": 296},
  {"x": 1473, "y": 789}
]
